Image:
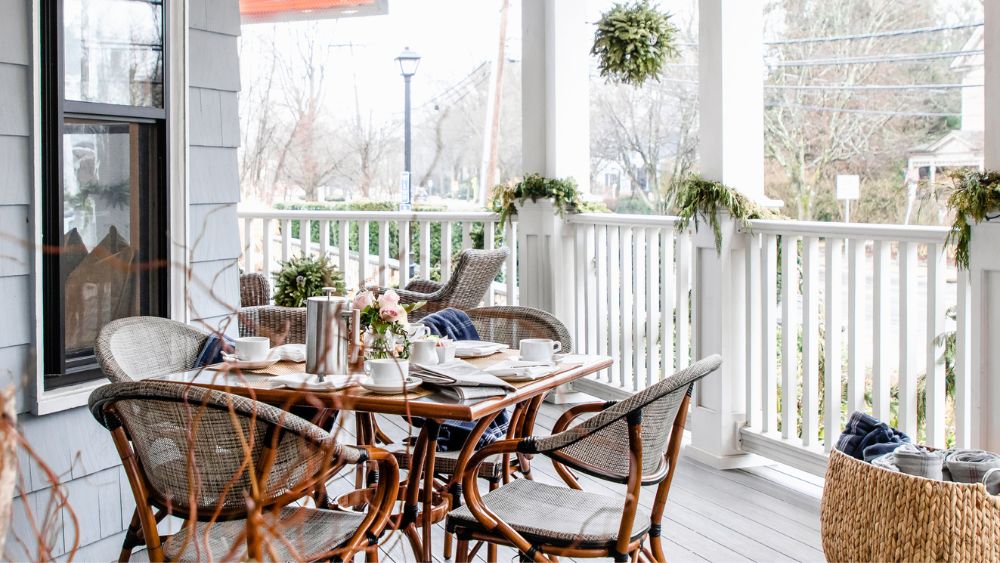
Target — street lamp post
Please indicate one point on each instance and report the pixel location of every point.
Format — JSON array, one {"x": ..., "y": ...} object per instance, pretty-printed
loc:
[{"x": 408, "y": 63}]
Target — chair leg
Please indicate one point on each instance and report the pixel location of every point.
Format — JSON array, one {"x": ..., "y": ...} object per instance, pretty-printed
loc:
[
  {"x": 133, "y": 537},
  {"x": 657, "y": 549},
  {"x": 462, "y": 550},
  {"x": 491, "y": 548},
  {"x": 448, "y": 538},
  {"x": 371, "y": 554}
]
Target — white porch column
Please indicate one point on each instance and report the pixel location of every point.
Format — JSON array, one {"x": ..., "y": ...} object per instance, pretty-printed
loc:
[
  {"x": 555, "y": 89},
  {"x": 985, "y": 268},
  {"x": 555, "y": 81},
  {"x": 730, "y": 54}
]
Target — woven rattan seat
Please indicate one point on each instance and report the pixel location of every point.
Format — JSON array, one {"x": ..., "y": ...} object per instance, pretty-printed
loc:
[
  {"x": 553, "y": 515},
  {"x": 308, "y": 532},
  {"x": 466, "y": 287},
  {"x": 136, "y": 348},
  {"x": 445, "y": 462}
]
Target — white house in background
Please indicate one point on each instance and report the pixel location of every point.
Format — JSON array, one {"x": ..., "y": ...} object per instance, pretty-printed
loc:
[{"x": 964, "y": 147}]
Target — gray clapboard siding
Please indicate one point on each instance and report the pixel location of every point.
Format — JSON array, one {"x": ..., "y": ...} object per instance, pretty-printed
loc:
[
  {"x": 15, "y": 91},
  {"x": 15, "y": 32},
  {"x": 220, "y": 70},
  {"x": 214, "y": 289},
  {"x": 18, "y": 297},
  {"x": 215, "y": 176},
  {"x": 15, "y": 170},
  {"x": 16, "y": 228}
]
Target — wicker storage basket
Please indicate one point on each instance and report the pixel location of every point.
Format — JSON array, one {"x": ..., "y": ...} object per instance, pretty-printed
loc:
[{"x": 873, "y": 514}]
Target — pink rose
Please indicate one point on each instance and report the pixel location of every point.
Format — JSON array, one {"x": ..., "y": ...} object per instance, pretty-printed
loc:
[
  {"x": 388, "y": 299},
  {"x": 363, "y": 299},
  {"x": 389, "y": 313}
]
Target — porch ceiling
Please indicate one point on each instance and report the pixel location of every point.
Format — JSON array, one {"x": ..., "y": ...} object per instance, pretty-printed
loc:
[{"x": 268, "y": 11}]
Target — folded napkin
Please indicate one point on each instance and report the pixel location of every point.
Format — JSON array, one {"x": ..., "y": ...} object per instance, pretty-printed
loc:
[
  {"x": 312, "y": 382},
  {"x": 914, "y": 460},
  {"x": 520, "y": 369},
  {"x": 477, "y": 347},
  {"x": 288, "y": 353},
  {"x": 971, "y": 466},
  {"x": 452, "y": 323}
]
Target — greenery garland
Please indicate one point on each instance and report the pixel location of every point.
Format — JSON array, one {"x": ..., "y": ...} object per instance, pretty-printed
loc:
[
  {"x": 698, "y": 197},
  {"x": 975, "y": 195},
  {"x": 633, "y": 42},
  {"x": 562, "y": 191},
  {"x": 303, "y": 277}
]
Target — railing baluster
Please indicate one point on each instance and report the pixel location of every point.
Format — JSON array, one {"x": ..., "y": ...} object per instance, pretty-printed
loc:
[
  {"x": 344, "y": 246},
  {"x": 880, "y": 336},
  {"x": 752, "y": 374},
  {"x": 510, "y": 268},
  {"x": 466, "y": 234},
  {"x": 935, "y": 378},
  {"x": 638, "y": 307},
  {"x": 286, "y": 239},
  {"x": 832, "y": 350},
  {"x": 445, "y": 251},
  {"x": 592, "y": 315},
  {"x": 614, "y": 297},
  {"x": 855, "y": 322},
  {"x": 810, "y": 341},
  {"x": 425, "y": 250},
  {"x": 248, "y": 249},
  {"x": 769, "y": 332},
  {"x": 667, "y": 288},
  {"x": 602, "y": 290},
  {"x": 682, "y": 303},
  {"x": 362, "y": 254},
  {"x": 907, "y": 338},
  {"x": 579, "y": 327},
  {"x": 266, "y": 233},
  {"x": 383, "y": 253},
  {"x": 963, "y": 377},
  {"x": 305, "y": 236},
  {"x": 404, "y": 254},
  {"x": 627, "y": 286},
  {"x": 652, "y": 304},
  {"x": 789, "y": 337},
  {"x": 324, "y": 238},
  {"x": 489, "y": 243}
]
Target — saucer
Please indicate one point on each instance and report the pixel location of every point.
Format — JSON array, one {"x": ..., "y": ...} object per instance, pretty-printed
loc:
[
  {"x": 409, "y": 383},
  {"x": 231, "y": 362}
]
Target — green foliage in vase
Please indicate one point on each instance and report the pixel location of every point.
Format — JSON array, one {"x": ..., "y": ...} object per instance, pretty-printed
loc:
[
  {"x": 633, "y": 42},
  {"x": 562, "y": 191},
  {"x": 698, "y": 197},
  {"x": 976, "y": 194},
  {"x": 301, "y": 278}
]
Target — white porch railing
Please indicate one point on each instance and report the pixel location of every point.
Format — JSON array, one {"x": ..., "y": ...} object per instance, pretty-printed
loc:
[
  {"x": 865, "y": 305},
  {"x": 384, "y": 248}
]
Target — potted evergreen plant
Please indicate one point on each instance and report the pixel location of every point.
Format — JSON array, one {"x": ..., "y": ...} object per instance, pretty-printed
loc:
[
  {"x": 633, "y": 42},
  {"x": 561, "y": 193},
  {"x": 712, "y": 201},
  {"x": 976, "y": 198}
]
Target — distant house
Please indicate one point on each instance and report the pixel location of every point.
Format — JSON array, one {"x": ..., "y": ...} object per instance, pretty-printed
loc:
[{"x": 963, "y": 147}]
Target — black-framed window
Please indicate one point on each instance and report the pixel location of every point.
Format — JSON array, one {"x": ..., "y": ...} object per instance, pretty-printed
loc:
[{"x": 104, "y": 150}]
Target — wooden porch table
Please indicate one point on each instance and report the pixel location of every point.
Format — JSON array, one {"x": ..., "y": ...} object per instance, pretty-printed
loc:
[{"x": 423, "y": 402}]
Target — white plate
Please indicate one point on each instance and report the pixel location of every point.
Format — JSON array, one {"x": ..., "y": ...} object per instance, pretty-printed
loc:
[
  {"x": 232, "y": 363},
  {"x": 408, "y": 384}
]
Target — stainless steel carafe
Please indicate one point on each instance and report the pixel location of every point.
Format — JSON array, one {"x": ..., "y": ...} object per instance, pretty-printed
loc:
[{"x": 327, "y": 334}]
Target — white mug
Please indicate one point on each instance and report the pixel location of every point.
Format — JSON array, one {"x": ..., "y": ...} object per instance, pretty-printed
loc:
[
  {"x": 539, "y": 349},
  {"x": 387, "y": 371},
  {"x": 415, "y": 331},
  {"x": 252, "y": 348},
  {"x": 422, "y": 351}
]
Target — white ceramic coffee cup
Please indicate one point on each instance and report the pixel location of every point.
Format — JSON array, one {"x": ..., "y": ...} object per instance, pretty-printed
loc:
[
  {"x": 539, "y": 349},
  {"x": 387, "y": 371},
  {"x": 422, "y": 351},
  {"x": 252, "y": 348}
]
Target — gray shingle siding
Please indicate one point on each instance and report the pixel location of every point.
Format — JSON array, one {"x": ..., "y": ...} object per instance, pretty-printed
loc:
[{"x": 72, "y": 444}]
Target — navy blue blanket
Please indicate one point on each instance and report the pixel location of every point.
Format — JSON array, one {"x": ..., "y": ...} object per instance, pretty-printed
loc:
[
  {"x": 211, "y": 351},
  {"x": 451, "y": 323},
  {"x": 866, "y": 437}
]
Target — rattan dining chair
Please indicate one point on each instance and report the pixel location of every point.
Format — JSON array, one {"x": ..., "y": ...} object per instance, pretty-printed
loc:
[
  {"x": 635, "y": 442},
  {"x": 135, "y": 348},
  {"x": 257, "y": 317},
  {"x": 231, "y": 467},
  {"x": 506, "y": 325},
  {"x": 465, "y": 289}
]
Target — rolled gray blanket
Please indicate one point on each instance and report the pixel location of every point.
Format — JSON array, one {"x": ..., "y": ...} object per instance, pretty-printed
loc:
[
  {"x": 992, "y": 481},
  {"x": 915, "y": 460},
  {"x": 970, "y": 466}
]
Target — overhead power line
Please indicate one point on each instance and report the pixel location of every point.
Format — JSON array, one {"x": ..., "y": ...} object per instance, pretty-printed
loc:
[
  {"x": 891, "y": 113},
  {"x": 871, "y": 59},
  {"x": 879, "y": 34}
]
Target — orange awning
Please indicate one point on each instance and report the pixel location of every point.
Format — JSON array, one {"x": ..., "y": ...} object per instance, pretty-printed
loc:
[{"x": 254, "y": 11}]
